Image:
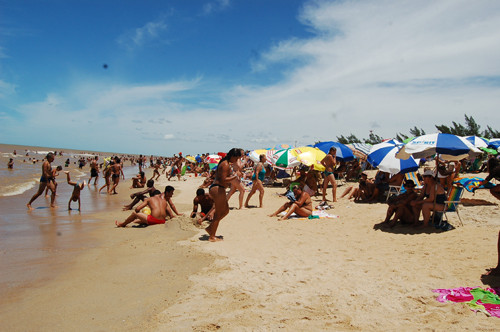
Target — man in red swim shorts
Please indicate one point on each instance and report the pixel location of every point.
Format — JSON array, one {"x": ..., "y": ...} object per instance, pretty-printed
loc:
[{"x": 161, "y": 207}]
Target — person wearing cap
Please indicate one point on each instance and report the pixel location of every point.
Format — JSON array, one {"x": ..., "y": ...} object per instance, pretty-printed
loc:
[
  {"x": 302, "y": 206},
  {"x": 400, "y": 207},
  {"x": 432, "y": 198}
]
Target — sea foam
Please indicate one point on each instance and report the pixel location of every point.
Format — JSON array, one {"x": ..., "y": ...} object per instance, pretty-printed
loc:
[{"x": 16, "y": 189}]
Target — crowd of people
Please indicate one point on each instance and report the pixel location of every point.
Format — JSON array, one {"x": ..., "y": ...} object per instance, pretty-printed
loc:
[{"x": 235, "y": 172}]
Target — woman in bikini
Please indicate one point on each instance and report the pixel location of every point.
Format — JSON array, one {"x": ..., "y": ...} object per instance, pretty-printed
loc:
[
  {"x": 329, "y": 162},
  {"x": 217, "y": 190},
  {"x": 257, "y": 178},
  {"x": 236, "y": 184}
]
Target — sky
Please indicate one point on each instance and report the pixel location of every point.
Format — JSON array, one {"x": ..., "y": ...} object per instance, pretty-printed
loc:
[{"x": 162, "y": 77}]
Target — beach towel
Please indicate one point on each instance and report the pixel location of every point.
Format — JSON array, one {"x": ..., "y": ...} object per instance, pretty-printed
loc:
[
  {"x": 468, "y": 183},
  {"x": 478, "y": 299},
  {"x": 316, "y": 214}
]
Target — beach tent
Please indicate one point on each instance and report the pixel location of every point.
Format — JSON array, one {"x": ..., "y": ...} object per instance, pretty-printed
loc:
[
  {"x": 383, "y": 156},
  {"x": 343, "y": 152},
  {"x": 450, "y": 147}
]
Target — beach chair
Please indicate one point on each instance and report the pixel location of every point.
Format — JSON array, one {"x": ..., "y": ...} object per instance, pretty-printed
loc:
[
  {"x": 393, "y": 190},
  {"x": 451, "y": 205},
  {"x": 413, "y": 176}
]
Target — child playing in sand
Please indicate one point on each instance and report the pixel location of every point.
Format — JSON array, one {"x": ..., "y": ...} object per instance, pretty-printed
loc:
[
  {"x": 55, "y": 173},
  {"x": 75, "y": 195}
]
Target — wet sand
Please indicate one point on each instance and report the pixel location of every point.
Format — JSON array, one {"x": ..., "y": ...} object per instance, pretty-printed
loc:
[{"x": 326, "y": 274}]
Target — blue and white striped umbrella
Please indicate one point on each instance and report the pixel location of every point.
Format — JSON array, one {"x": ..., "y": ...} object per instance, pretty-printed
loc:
[
  {"x": 494, "y": 143},
  {"x": 478, "y": 142},
  {"x": 449, "y": 146},
  {"x": 383, "y": 156},
  {"x": 343, "y": 152}
]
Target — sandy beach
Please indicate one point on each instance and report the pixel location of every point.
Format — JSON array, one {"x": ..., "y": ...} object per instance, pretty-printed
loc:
[{"x": 323, "y": 274}]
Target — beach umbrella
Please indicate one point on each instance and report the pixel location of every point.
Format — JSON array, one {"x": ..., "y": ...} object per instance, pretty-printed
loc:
[
  {"x": 478, "y": 142},
  {"x": 383, "y": 156},
  {"x": 255, "y": 154},
  {"x": 343, "y": 152},
  {"x": 450, "y": 147},
  {"x": 494, "y": 143},
  {"x": 360, "y": 150},
  {"x": 408, "y": 139},
  {"x": 213, "y": 160},
  {"x": 284, "y": 159},
  {"x": 282, "y": 146},
  {"x": 490, "y": 151},
  {"x": 312, "y": 157},
  {"x": 191, "y": 159},
  {"x": 198, "y": 158}
]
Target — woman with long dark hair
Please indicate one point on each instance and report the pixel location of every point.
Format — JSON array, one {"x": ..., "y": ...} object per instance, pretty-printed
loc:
[{"x": 217, "y": 190}]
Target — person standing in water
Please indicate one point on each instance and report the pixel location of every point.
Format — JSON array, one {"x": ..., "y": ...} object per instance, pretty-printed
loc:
[
  {"x": 45, "y": 181},
  {"x": 217, "y": 191}
]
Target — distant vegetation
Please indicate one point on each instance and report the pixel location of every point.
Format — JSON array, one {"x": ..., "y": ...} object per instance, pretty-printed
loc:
[{"x": 470, "y": 128}]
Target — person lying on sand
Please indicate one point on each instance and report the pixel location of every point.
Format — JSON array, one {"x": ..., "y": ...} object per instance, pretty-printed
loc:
[
  {"x": 302, "y": 206},
  {"x": 75, "y": 195}
]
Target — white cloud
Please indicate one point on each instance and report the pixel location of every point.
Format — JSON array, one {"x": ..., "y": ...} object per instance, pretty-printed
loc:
[
  {"x": 140, "y": 36},
  {"x": 382, "y": 65},
  {"x": 215, "y": 6}
]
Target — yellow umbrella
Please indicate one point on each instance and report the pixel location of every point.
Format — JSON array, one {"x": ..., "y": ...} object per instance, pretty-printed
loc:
[
  {"x": 255, "y": 154},
  {"x": 191, "y": 159},
  {"x": 302, "y": 149},
  {"x": 312, "y": 157}
]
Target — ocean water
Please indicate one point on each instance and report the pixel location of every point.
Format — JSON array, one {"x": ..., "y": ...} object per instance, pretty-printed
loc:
[{"x": 35, "y": 243}]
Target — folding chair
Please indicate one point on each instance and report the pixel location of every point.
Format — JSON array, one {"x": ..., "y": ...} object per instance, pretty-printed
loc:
[
  {"x": 451, "y": 204},
  {"x": 393, "y": 190},
  {"x": 413, "y": 176}
]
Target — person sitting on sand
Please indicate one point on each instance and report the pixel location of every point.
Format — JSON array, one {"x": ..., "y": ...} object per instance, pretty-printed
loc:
[
  {"x": 139, "y": 181},
  {"x": 302, "y": 206},
  {"x": 400, "y": 206},
  {"x": 381, "y": 185},
  {"x": 45, "y": 181},
  {"x": 207, "y": 206},
  {"x": 75, "y": 195},
  {"x": 363, "y": 192},
  {"x": 432, "y": 198},
  {"x": 158, "y": 205},
  {"x": 209, "y": 180},
  {"x": 141, "y": 195}
]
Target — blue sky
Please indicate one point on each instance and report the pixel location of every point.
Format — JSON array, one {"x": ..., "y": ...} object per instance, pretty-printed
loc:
[{"x": 204, "y": 76}]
